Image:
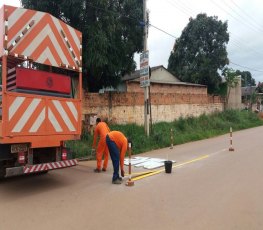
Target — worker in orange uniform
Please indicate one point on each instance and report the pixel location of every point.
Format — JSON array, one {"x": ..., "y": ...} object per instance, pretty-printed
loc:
[
  {"x": 117, "y": 144},
  {"x": 101, "y": 130}
]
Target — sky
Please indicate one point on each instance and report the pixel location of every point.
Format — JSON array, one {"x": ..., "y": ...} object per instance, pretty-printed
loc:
[{"x": 245, "y": 26}]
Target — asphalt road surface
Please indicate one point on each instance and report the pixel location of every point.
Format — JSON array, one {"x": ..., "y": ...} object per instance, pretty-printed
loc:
[{"x": 218, "y": 190}]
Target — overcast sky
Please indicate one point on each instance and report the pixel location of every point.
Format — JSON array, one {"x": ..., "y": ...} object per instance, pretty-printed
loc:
[{"x": 245, "y": 25}]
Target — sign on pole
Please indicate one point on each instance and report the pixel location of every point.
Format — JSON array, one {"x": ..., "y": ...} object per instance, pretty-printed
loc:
[{"x": 144, "y": 69}]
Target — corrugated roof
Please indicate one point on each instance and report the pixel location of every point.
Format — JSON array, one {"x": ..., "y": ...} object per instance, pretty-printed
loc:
[
  {"x": 131, "y": 76},
  {"x": 135, "y": 76},
  {"x": 248, "y": 90}
]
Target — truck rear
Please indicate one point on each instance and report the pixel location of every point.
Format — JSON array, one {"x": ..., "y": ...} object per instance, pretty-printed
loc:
[{"x": 40, "y": 93}]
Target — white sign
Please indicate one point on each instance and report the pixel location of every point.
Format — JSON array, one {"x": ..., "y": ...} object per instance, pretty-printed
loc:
[
  {"x": 144, "y": 81},
  {"x": 144, "y": 69}
]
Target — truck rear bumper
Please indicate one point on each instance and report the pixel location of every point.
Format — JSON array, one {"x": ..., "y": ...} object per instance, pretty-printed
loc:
[{"x": 15, "y": 171}]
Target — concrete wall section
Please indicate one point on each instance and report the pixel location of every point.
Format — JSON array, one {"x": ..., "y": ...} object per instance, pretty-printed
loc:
[
  {"x": 234, "y": 101},
  {"x": 173, "y": 112}
]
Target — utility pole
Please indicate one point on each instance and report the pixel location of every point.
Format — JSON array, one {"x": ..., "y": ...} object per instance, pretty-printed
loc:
[{"x": 146, "y": 89}]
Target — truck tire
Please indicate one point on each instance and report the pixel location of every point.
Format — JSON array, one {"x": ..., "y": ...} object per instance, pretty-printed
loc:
[{"x": 2, "y": 170}]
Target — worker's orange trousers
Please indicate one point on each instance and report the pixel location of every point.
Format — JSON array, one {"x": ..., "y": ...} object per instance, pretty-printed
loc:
[{"x": 102, "y": 149}]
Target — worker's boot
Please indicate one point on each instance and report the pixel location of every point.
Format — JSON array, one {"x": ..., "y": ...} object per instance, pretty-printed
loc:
[{"x": 117, "y": 181}]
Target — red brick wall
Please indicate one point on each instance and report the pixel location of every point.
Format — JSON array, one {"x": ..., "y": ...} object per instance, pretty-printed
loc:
[
  {"x": 129, "y": 107},
  {"x": 132, "y": 99},
  {"x": 168, "y": 102}
]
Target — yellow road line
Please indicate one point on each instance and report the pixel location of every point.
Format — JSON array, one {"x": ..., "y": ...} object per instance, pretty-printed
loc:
[
  {"x": 191, "y": 161},
  {"x": 142, "y": 174},
  {"x": 136, "y": 173},
  {"x": 162, "y": 170},
  {"x": 148, "y": 174}
]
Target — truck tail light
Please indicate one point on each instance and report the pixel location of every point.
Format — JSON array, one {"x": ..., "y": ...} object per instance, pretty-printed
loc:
[
  {"x": 64, "y": 155},
  {"x": 21, "y": 158}
]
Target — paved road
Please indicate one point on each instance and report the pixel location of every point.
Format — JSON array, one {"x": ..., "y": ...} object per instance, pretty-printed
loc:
[{"x": 222, "y": 191}]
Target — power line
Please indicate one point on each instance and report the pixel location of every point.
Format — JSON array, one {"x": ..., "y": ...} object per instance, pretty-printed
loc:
[
  {"x": 236, "y": 18},
  {"x": 183, "y": 9},
  {"x": 244, "y": 45},
  {"x": 245, "y": 67},
  {"x": 247, "y": 15},
  {"x": 162, "y": 30},
  {"x": 242, "y": 18},
  {"x": 191, "y": 12}
]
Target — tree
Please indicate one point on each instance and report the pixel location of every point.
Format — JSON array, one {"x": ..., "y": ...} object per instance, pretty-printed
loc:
[
  {"x": 259, "y": 88},
  {"x": 111, "y": 35},
  {"x": 246, "y": 78},
  {"x": 200, "y": 52}
]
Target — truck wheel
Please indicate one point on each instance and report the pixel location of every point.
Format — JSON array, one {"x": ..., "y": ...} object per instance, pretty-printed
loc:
[{"x": 2, "y": 170}]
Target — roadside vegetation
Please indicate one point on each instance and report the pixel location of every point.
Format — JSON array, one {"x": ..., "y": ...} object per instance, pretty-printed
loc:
[{"x": 184, "y": 130}]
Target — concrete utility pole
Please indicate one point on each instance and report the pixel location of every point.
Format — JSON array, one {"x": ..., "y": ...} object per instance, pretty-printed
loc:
[{"x": 146, "y": 89}]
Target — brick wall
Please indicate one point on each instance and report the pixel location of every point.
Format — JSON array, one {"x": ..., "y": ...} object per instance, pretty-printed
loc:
[{"x": 128, "y": 107}]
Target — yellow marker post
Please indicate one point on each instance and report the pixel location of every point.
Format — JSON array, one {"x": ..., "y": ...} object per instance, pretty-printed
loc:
[
  {"x": 231, "y": 144},
  {"x": 130, "y": 182},
  {"x": 172, "y": 145}
]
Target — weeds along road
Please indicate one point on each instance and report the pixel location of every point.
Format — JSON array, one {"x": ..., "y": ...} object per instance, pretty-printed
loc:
[{"x": 223, "y": 190}]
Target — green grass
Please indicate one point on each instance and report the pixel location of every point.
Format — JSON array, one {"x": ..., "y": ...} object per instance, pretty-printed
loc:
[{"x": 184, "y": 130}]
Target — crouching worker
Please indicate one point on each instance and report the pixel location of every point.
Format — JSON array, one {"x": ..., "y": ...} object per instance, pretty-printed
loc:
[
  {"x": 101, "y": 130},
  {"x": 117, "y": 144}
]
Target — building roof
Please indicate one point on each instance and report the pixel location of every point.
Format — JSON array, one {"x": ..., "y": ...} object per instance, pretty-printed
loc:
[
  {"x": 132, "y": 76},
  {"x": 135, "y": 76},
  {"x": 248, "y": 90}
]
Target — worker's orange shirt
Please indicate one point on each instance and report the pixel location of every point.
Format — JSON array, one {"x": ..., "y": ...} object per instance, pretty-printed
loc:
[
  {"x": 101, "y": 130},
  {"x": 122, "y": 144}
]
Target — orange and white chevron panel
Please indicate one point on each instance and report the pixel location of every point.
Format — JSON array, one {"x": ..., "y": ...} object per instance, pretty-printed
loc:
[
  {"x": 2, "y": 31},
  {"x": 35, "y": 168},
  {"x": 61, "y": 164},
  {"x": 49, "y": 166},
  {"x": 42, "y": 116},
  {"x": 42, "y": 37}
]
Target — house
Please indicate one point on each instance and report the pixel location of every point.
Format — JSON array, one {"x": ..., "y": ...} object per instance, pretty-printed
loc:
[
  {"x": 162, "y": 81},
  {"x": 247, "y": 91},
  {"x": 251, "y": 99}
]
